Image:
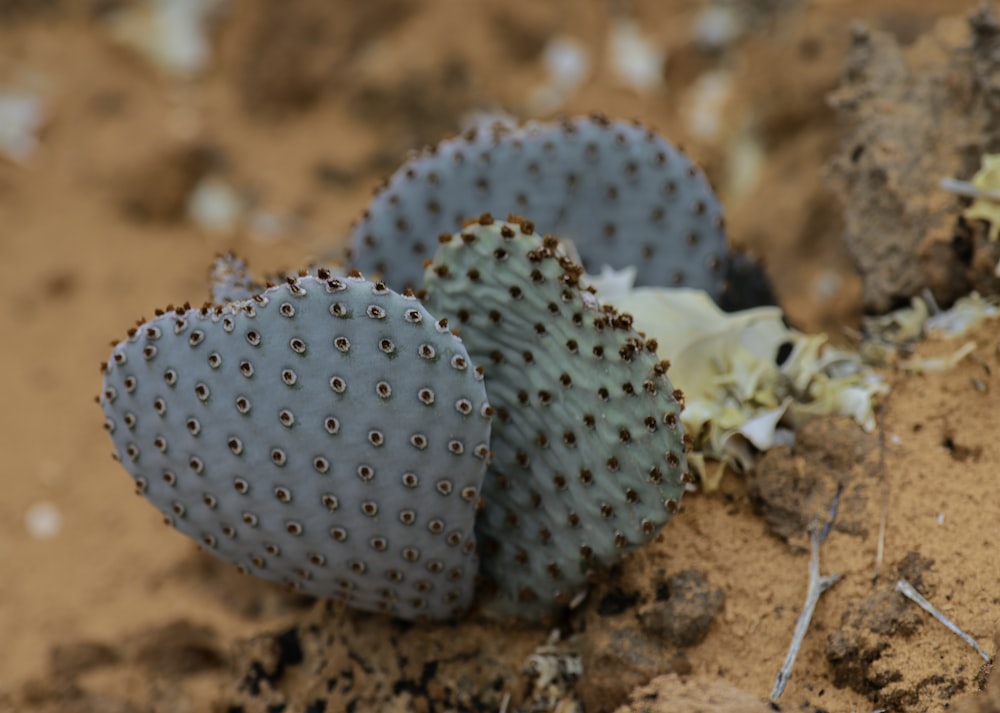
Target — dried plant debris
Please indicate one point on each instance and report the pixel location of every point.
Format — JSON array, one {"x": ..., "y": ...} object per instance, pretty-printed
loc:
[
  {"x": 984, "y": 189},
  {"x": 890, "y": 339},
  {"x": 588, "y": 448},
  {"x": 327, "y": 433},
  {"x": 553, "y": 670},
  {"x": 749, "y": 381},
  {"x": 910, "y": 592},
  {"x": 904, "y": 233},
  {"x": 621, "y": 193}
]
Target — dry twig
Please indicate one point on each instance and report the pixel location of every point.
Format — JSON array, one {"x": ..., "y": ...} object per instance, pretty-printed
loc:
[
  {"x": 818, "y": 533},
  {"x": 908, "y": 591}
]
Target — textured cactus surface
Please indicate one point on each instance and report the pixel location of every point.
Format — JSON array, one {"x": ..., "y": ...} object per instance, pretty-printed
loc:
[
  {"x": 588, "y": 445},
  {"x": 327, "y": 433},
  {"x": 231, "y": 280},
  {"x": 624, "y": 196}
]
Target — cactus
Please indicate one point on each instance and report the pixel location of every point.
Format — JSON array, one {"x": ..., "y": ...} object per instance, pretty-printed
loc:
[
  {"x": 588, "y": 446},
  {"x": 621, "y": 193},
  {"x": 327, "y": 433},
  {"x": 231, "y": 280}
]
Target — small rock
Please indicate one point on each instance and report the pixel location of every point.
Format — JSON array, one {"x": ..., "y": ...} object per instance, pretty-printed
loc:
[
  {"x": 637, "y": 62},
  {"x": 21, "y": 118},
  {"x": 171, "y": 35},
  {"x": 568, "y": 64},
  {"x": 618, "y": 659},
  {"x": 685, "y": 607},
  {"x": 717, "y": 27},
  {"x": 215, "y": 206},
  {"x": 43, "y": 520}
]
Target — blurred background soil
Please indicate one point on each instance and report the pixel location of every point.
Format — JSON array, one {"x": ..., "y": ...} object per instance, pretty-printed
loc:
[{"x": 823, "y": 124}]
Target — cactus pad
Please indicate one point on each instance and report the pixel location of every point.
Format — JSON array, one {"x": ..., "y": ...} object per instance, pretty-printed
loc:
[
  {"x": 623, "y": 194},
  {"x": 588, "y": 445},
  {"x": 327, "y": 433},
  {"x": 231, "y": 280}
]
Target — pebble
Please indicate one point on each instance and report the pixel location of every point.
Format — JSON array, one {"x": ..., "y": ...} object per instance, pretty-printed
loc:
[{"x": 43, "y": 520}]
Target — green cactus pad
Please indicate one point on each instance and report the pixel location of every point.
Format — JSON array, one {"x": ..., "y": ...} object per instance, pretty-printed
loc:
[{"x": 588, "y": 445}]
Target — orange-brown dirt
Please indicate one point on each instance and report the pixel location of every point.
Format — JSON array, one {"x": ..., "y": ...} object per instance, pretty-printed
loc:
[{"x": 304, "y": 106}]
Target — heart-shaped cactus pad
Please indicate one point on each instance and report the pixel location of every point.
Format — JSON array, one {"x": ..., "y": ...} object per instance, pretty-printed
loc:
[
  {"x": 589, "y": 452},
  {"x": 327, "y": 432}
]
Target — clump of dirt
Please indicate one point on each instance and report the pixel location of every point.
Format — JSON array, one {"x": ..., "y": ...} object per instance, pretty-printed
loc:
[
  {"x": 792, "y": 487},
  {"x": 912, "y": 116},
  {"x": 631, "y": 636},
  {"x": 618, "y": 657},
  {"x": 344, "y": 660},
  {"x": 853, "y": 651},
  {"x": 865, "y": 654},
  {"x": 869, "y": 653},
  {"x": 684, "y": 609},
  {"x": 674, "y": 694}
]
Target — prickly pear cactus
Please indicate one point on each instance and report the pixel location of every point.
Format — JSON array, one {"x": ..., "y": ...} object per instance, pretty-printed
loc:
[
  {"x": 624, "y": 196},
  {"x": 588, "y": 445},
  {"x": 231, "y": 280},
  {"x": 327, "y": 433}
]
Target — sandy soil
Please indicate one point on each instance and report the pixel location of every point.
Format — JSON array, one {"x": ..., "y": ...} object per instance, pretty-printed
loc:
[{"x": 303, "y": 109}]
